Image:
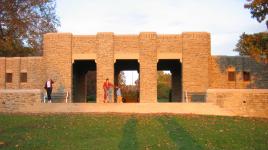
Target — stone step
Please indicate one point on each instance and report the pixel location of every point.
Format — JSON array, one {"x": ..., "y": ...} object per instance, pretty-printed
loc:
[{"x": 176, "y": 108}]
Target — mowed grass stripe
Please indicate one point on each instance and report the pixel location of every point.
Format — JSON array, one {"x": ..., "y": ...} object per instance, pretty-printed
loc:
[{"x": 120, "y": 131}]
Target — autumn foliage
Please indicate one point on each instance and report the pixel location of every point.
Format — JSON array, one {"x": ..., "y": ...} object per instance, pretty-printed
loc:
[
  {"x": 22, "y": 25},
  {"x": 255, "y": 45},
  {"x": 258, "y": 9}
]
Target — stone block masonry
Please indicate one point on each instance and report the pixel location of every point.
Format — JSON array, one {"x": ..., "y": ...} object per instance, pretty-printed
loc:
[
  {"x": 195, "y": 58},
  {"x": 247, "y": 102},
  {"x": 218, "y": 73},
  {"x": 198, "y": 70},
  {"x": 57, "y": 60},
  {"x": 148, "y": 68},
  {"x": 105, "y": 62},
  {"x": 32, "y": 66},
  {"x": 15, "y": 99}
]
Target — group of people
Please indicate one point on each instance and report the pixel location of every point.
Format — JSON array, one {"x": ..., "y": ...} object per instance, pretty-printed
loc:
[
  {"x": 107, "y": 86},
  {"x": 108, "y": 92}
]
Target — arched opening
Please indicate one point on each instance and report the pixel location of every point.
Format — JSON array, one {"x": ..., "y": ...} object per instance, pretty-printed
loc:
[
  {"x": 84, "y": 81},
  {"x": 169, "y": 80},
  {"x": 125, "y": 69}
]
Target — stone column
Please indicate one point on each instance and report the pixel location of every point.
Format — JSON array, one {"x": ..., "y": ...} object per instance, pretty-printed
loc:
[
  {"x": 58, "y": 60},
  {"x": 196, "y": 54},
  {"x": 148, "y": 67},
  {"x": 105, "y": 62}
]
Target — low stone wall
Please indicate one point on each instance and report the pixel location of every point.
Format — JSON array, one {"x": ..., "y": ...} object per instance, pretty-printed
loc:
[
  {"x": 12, "y": 100},
  {"x": 245, "y": 102}
]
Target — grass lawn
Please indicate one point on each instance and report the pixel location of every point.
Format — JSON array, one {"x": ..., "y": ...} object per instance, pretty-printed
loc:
[{"x": 122, "y": 131}]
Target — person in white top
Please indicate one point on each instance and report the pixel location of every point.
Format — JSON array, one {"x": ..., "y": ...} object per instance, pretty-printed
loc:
[{"x": 48, "y": 87}]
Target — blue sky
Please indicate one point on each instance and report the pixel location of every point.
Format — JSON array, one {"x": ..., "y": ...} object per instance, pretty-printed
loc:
[{"x": 226, "y": 20}]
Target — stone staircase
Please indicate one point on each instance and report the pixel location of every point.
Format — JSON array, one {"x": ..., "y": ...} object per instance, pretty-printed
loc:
[
  {"x": 174, "y": 108},
  {"x": 57, "y": 97}
]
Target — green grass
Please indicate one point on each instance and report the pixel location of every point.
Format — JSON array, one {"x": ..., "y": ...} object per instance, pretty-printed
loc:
[{"x": 118, "y": 131}]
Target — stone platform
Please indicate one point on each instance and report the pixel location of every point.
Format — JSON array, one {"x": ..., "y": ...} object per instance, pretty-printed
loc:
[{"x": 174, "y": 108}]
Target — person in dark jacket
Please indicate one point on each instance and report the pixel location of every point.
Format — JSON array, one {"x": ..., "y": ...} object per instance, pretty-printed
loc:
[{"x": 48, "y": 87}]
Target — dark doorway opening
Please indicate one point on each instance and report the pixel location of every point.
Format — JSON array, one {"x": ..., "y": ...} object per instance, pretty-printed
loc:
[
  {"x": 130, "y": 92},
  {"x": 84, "y": 81},
  {"x": 169, "y": 83}
]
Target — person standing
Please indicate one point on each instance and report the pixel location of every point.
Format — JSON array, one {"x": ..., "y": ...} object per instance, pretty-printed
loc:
[
  {"x": 118, "y": 94},
  {"x": 108, "y": 91},
  {"x": 48, "y": 87}
]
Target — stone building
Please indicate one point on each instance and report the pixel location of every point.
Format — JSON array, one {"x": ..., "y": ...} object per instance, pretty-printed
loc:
[{"x": 68, "y": 58}]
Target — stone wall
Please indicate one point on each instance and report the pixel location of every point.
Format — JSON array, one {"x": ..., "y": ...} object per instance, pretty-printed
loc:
[
  {"x": 105, "y": 62},
  {"x": 62, "y": 49},
  {"x": 126, "y": 44},
  {"x": 83, "y": 44},
  {"x": 200, "y": 70},
  {"x": 57, "y": 58},
  {"x": 218, "y": 73},
  {"x": 169, "y": 43},
  {"x": 148, "y": 67},
  {"x": 14, "y": 99},
  {"x": 195, "y": 57},
  {"x": 247, "y": 102},
  {"x": 33, "y": 66},
  {"x": 2, "y": 72}
]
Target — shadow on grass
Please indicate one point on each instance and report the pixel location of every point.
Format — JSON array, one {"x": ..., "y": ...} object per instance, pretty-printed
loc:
[
  {"x": 178, "y": 134},
  {"x": 129, "y": 138}
]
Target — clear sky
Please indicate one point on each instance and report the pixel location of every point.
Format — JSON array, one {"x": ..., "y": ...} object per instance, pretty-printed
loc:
[{"x": 226, "y": 20}]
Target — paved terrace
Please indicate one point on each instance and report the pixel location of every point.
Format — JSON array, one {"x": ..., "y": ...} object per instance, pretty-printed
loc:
[{"x": 174, "y": 108}]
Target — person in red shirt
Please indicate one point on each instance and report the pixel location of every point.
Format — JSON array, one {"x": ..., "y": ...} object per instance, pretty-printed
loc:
[{"x": 108, "y": 91}]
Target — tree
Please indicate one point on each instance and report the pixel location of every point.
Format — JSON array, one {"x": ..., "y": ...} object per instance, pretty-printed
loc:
[
  {"x": 258, "y": 9},
  {"x": 163, "y": 85},
  {"x": 255, "y": 45},
  {"x": 122, "y": 78},
  {"x": 23, "y": 23}
]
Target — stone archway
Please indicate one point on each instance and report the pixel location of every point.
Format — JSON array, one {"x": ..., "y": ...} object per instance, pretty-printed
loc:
[
  {"x": 175, "y": 68},
  {"x": 127, "y": 65},
  {"x": 84, "y": 81}
]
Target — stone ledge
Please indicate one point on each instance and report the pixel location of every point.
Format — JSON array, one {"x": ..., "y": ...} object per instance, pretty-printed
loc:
[
  {"x": 20, "y": 91},
  {"x": 238, "y": 90}
]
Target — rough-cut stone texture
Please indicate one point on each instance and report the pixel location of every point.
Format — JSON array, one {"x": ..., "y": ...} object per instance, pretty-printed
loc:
[
  {"x": 13, "y": 66},
  {"x": 57, "y": 60},
  {"x": 249, "y": 102},
  {"x": 105, "y": 62},
  {"x": 14, "y": 99},
  {"x": 169, "y": 43},
  {"x": 2, "y": 72},
  {"x": 218, "y": 72},
  {"x": 200, "y": 70},
  {"x": 126, "y": 44},
  {"x": 83, "y": 44},
  {"x": 148, "y": 67},
  {"x": 33, "y": 66},
  {"x": 195, "y": 57}
]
